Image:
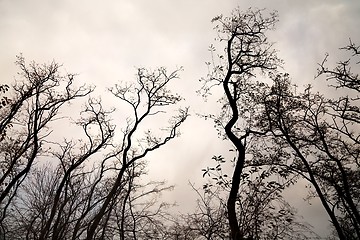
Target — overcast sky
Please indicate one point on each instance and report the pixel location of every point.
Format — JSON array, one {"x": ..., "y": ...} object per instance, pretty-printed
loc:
[{"x": 104, "y": 42}]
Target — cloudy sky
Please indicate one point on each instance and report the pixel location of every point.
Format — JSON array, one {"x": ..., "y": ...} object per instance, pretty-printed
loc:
[{"x": 104, "y": 42}]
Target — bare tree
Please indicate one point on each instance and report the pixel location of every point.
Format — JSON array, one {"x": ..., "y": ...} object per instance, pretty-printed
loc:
[
  {"x": 88, "y": 187},
  {"x": 141, "y": 217},
  {"x": 321, "y": 135},
  {"x": 247, "y": 53},
  {"x": 34, "y": 102},
  {"x": 147, "y": 98},
  {"x": 140, "y": 214},
  {"x": 340, "y": 141},
  {"x": 72, "y": 158}
]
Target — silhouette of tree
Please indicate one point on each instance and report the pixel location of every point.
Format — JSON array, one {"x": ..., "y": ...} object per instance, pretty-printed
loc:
[
  {"x": 146, "y": 99},
  {"x": 340, "y": 143},
  {"x": 262, "y": 211},
  {"x": 88, "y": 187},
  {"x": 4, "y": 101},
  {"x": 25, "y": 116},
  {"x": 322, "y": 134},
  {"x": 137, "y": 212},
  {"x": 91, "y": 187},
  {"x": 208, "y": 221},
  {"x": 289, "y": 133},
  {"x": 73, "y": 158},
  {"x": 247, "y": 53}
]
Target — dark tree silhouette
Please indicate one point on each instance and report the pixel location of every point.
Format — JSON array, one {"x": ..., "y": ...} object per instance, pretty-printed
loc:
[
  {"x": 137, "y": 213},
  {"x": 340, "y": 141},
  {"x": 247, "y": 53},
  {"x": 88, "y": 187},
  {"x": 262, "y": 210},
  {"x": 25, "y": 116},
  {"x": 291, "y": 133},
  {"x": 147, "y": 98},
  {"x": 322, "y": 134}
]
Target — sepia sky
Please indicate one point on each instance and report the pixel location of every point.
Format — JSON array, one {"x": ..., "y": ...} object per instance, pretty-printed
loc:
[{"x": 104, "y": 42}]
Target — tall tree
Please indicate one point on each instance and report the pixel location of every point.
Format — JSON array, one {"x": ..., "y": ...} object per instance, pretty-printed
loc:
[
  {"x": 147, "y": 98},
  {"x": 322, "y": 136},
  {"x": 247, "y": 53},
  {"x": 33, "y": 104},
  {"x": 89, "y": 188},
  {"x": 343, "y": 146}
]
